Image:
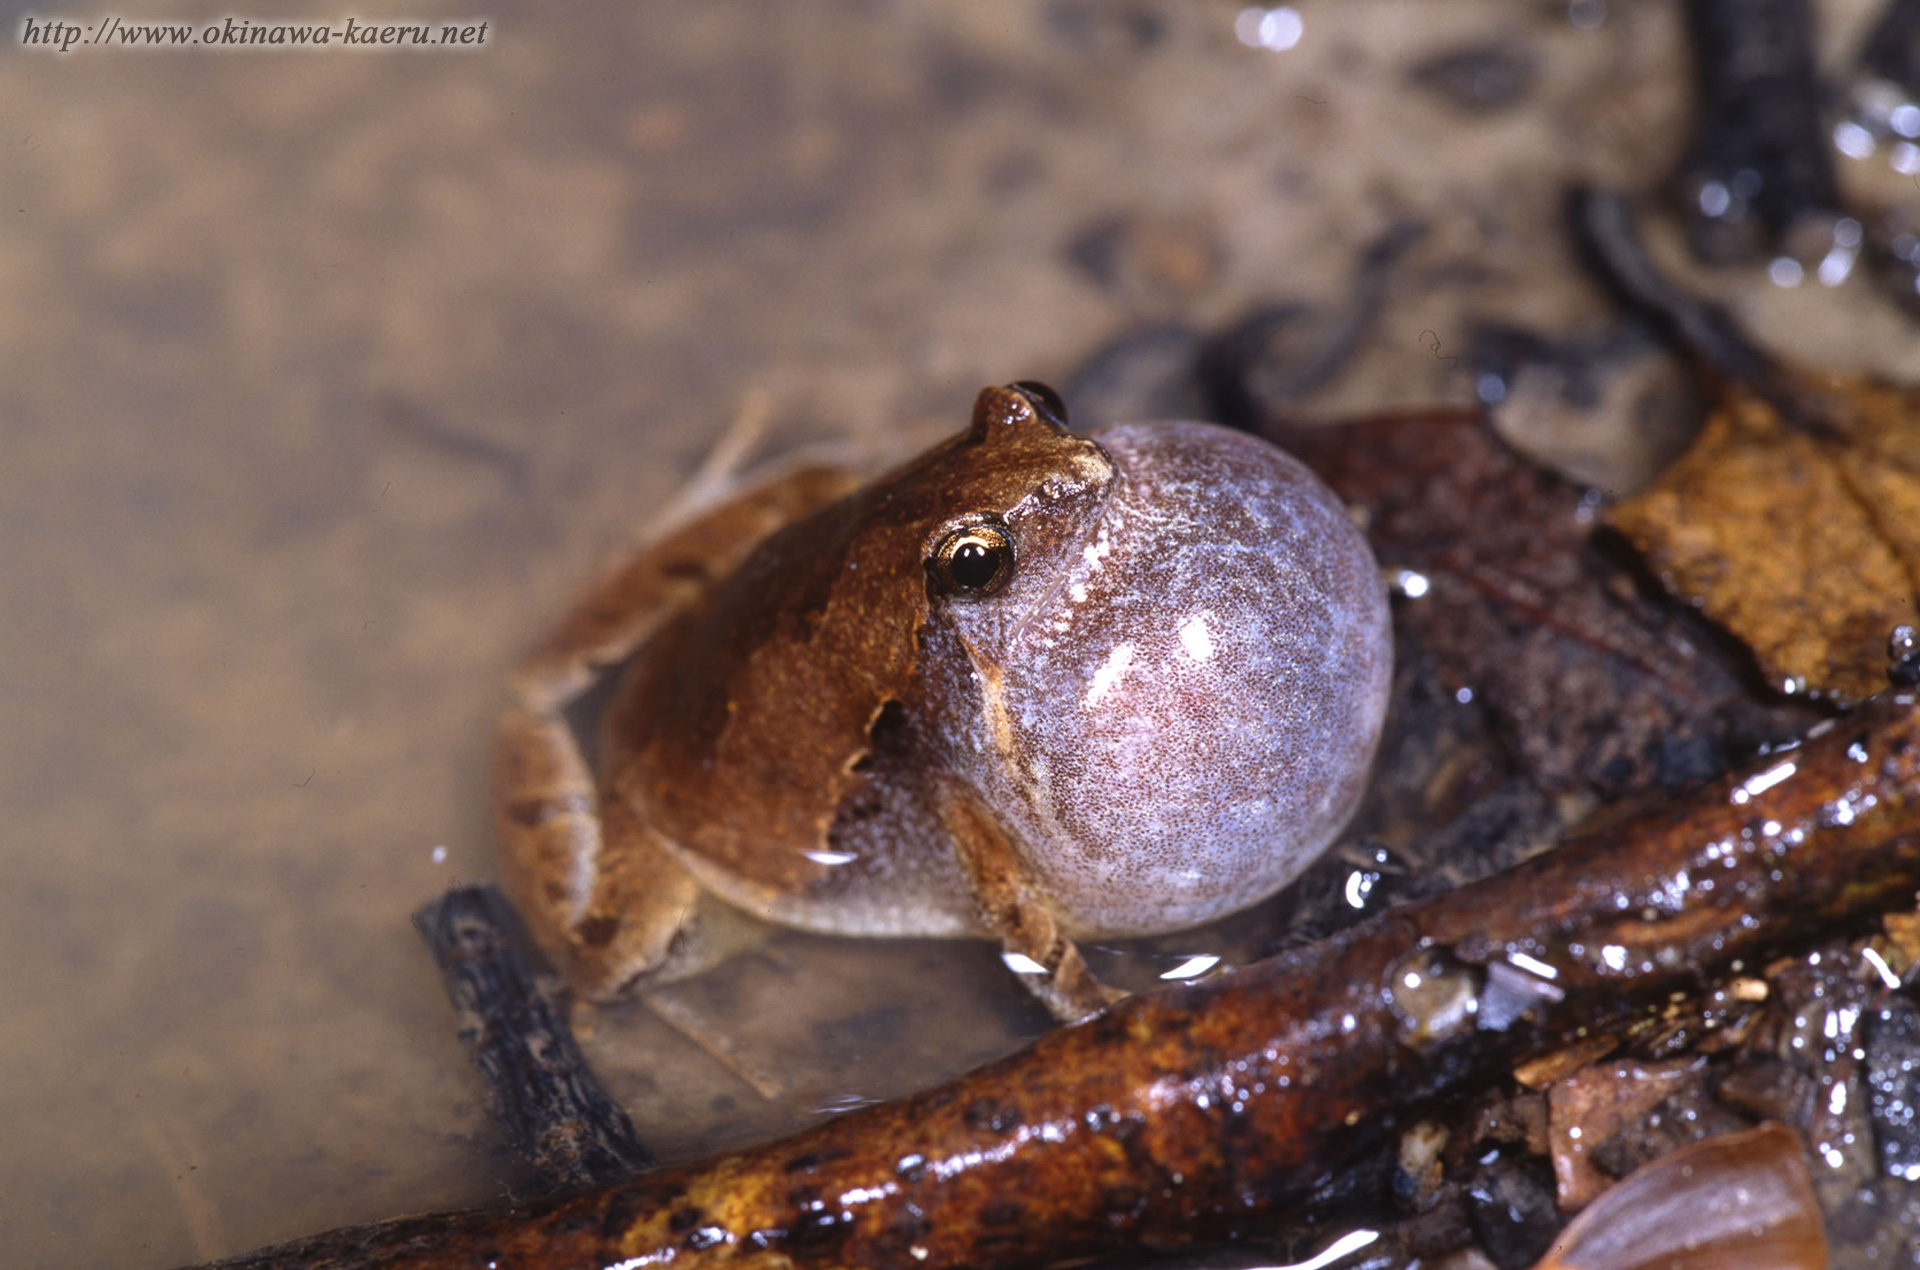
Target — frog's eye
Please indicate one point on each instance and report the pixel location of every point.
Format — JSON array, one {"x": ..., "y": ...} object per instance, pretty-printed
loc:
[
  {"x": 1046, "y": 402},
  {"x": 973, "y": 560}
]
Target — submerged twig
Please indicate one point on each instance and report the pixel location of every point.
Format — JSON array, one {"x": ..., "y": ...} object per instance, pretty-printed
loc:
[
  {"x": 1193, "y": 1113},
  {"x": 1604, "y": 220},
  {"x": 1705, "y": 331},
  {"x": 1759, "y": 173},
  {"x": 554, "y": 1111}
]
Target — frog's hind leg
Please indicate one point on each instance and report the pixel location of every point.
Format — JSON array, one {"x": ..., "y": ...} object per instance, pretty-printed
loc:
[
  {"x": 571, "y": 860},
  {"x": 602, "y": 895}
]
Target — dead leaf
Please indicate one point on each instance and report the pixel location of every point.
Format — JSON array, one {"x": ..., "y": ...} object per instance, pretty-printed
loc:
[
  {"x": 1590, "y": 681},
  {"x": 1591, "y": 1105},
  {"x": 1804, "y": 543}
]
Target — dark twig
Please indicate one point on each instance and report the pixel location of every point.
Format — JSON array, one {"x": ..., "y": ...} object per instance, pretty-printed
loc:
[
  {"x": 1704, "y": 330},
  {"x": 1892, "y": 49},
  {"x": 1282, "y": 353},
  {"x": 1760, "y": 167},
  {"x": 553, "y": 1110}
]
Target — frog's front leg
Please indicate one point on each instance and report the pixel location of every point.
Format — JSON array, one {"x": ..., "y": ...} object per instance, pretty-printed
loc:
[
  {"x": 601, "y": 893},
  {"x": 1011, "y": 908}
]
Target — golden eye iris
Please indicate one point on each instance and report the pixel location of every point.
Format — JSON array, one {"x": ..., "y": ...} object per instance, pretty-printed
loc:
[{"x": 973, "y": 560}]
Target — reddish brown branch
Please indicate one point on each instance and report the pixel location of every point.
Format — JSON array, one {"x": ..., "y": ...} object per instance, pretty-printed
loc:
[{"x": 1195, "y": 1112}]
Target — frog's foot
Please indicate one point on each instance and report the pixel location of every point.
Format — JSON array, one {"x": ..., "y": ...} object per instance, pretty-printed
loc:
[
  {"x": 1066, "y": 987},
  {"x": 719, "y": 473},
  {"x": 1034, "y": 947}
]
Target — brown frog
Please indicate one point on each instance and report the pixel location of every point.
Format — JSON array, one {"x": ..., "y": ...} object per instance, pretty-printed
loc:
[{"x": 1030, "y": 685}]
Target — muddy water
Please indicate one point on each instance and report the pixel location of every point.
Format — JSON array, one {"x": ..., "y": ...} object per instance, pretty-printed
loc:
[{"x": 325, "y": 376}]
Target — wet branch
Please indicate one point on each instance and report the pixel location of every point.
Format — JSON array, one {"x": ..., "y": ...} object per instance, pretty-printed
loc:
[{"x": 1193, "y": 1113}]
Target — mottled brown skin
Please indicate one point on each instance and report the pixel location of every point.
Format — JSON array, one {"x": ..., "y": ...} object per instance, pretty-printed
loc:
[
  {"x": 776, "y": 629},
  {"x": 597, "y": 890},
  {"x": 1192, "y": 1113}
]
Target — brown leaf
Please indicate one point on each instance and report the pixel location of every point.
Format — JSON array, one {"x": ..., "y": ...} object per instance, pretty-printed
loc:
[
  {"x": 1803, "y": 542},
  {"x": 1591, "y": 1105},
  {"x": 1744, "y": 1199}
]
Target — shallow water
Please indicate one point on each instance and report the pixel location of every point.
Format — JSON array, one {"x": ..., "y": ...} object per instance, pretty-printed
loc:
[{"x": 328, "y": 376}]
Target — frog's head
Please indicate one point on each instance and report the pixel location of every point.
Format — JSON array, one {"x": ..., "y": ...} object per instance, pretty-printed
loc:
[
  {"x": 1022, "y": 497},
  {"x": 1165, "y": 651}
]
